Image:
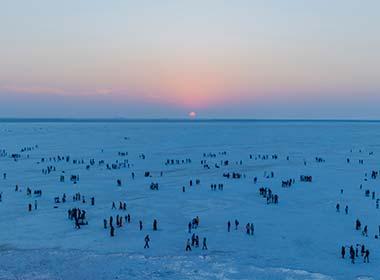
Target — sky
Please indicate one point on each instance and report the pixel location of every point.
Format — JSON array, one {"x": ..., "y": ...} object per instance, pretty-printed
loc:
[{"x": 167, "y": 58}]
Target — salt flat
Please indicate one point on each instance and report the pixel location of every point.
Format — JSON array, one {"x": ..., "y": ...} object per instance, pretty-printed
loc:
[{"x": 298, "y": 238}]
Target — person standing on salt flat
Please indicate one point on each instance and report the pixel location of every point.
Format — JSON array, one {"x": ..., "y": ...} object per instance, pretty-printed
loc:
[
  {"x": 352, "y": 254},
  {"x": 236, "y": 224},
  {"x": 204, "y": 247},
  {"x": 366, "y": 256},
  {"x": 147, "y": 239},
  {"x": 252, "y": 229},
  {"x": 248, "y": 228},
  {"x": 188, "y": 247}
]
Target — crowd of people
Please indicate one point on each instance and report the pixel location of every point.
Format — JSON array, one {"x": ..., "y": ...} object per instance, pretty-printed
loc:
[{"x": 194, "y": 239}]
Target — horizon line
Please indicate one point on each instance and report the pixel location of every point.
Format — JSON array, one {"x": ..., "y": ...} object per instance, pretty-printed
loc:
[{"x": 170, "y": 120}]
